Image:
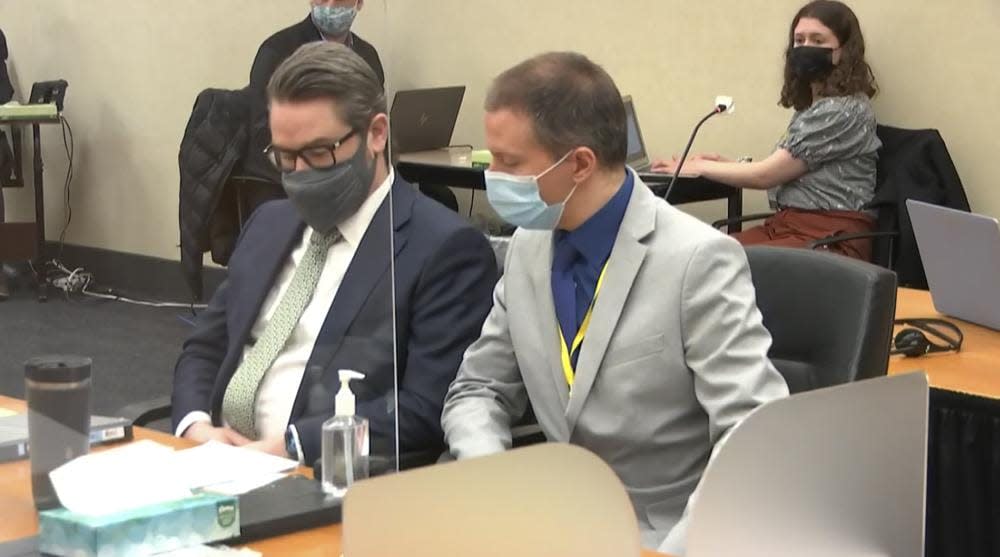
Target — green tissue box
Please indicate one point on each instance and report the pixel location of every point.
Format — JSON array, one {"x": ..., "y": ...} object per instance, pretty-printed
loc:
[{"x": 195, "y": 520}]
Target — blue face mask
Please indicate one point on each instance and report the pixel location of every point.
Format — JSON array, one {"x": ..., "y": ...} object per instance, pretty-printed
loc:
[
  {"x": 334, "y": 21},
  {"x": 517, "y": 200}
]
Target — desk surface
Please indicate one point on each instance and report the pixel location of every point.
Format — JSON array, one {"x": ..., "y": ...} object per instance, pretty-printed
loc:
[
  {"x": 19, "y": 520},
  {"x": 975, "y": 370}
]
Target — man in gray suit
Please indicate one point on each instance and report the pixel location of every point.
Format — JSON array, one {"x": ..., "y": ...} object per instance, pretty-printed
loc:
[{"x": 631, "y": 327}]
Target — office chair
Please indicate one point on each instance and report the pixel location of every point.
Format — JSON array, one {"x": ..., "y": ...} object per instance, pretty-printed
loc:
[{"x": 830, "y": 316}]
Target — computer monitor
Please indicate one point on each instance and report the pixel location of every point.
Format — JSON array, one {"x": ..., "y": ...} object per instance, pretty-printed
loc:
[{"x": 832, "y": 472}]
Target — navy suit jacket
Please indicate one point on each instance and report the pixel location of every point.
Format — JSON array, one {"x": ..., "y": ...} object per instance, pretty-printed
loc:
[{"x": 445, "y": 273}]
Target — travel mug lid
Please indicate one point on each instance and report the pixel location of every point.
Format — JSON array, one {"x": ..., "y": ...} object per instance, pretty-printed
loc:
[{"x": 57, "y": 369}]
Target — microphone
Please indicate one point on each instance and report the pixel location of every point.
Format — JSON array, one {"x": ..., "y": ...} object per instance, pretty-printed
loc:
[{"x": 722, "y": 105}]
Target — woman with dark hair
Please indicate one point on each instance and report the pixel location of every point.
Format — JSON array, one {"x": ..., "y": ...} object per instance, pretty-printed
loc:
[{"x": 822, "y": 173}]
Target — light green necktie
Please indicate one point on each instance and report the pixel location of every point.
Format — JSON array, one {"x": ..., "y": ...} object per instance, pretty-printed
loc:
[{"x": 240, "y": 401}]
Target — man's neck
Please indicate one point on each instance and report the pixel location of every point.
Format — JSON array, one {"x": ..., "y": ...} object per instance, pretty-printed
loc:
[
  {"x": 342, "y": 40},
  {"x": 590, "y": 197},
  {"x": 381, "y": 171}
]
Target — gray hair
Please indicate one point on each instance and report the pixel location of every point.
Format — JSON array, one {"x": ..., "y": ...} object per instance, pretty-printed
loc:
[
  {"x": 571, "y": 101},
  {"x": 325, "y": 70}
]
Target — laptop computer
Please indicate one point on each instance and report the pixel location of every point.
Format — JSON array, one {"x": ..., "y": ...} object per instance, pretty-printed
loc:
[
  {"x": 14, "y": 434},
  {"x": 961, "y": 256},
  {"x": 636, "y": 155},
  {"x": 49, "y": 92},
  {"x": 540, "y": 501},
  {"x": 831, "y": 472},
  {"x": 424, "y": 119}
]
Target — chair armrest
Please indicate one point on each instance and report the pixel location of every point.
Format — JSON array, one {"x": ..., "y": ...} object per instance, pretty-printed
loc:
[
  {"x": 829, "y": 241},
  {"x": 147, "y": 411},
  {"x": 738, "y": 220}
]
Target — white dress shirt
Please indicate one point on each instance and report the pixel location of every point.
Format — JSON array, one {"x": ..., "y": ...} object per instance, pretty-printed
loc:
[{"x": 280, "y": 384}]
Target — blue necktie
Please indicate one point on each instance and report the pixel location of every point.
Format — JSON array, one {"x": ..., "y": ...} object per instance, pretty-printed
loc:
[{"x": 564, "y": 289}]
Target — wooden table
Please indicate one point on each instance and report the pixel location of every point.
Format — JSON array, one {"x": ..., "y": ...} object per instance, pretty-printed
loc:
[
  {"x": 18, "y": 518},
  {"x": 974, "y": 370}
]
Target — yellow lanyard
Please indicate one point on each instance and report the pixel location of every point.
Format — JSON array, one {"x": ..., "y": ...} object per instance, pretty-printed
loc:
[{"x": 567, "y": 352}]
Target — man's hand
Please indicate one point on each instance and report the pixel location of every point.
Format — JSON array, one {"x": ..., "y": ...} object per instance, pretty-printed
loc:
[
  {"x": 202, "y": 432},
  {"x": 272, "y": 445}
]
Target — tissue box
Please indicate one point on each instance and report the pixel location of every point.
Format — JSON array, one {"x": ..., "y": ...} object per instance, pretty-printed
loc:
[{"x": 195, "y": 520}]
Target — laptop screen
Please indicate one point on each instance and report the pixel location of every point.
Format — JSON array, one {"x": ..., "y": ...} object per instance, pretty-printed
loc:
[{"x": 636, "y": 150}]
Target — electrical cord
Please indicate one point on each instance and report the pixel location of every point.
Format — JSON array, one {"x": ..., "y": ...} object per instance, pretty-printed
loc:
[
  {"x": 687, "y": 148},
  {"x": 70, "y": 147}
]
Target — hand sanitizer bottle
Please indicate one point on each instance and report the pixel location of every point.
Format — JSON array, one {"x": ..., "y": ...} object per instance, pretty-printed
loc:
[{"x": 344, "y": 441}]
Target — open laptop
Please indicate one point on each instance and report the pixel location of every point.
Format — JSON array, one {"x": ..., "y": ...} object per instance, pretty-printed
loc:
[
  {"x": 540, "y": 501},
  {"x": 49, "y": 92},
  {"x": 424, "y": 119},
  {"x": 961, "y": 256},
  {"x": 825, "y": 473},
  {"x": 636, "y": 155}
]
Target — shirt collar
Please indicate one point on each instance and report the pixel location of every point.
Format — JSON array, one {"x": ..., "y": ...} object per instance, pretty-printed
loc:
[
  {"x": 595, "y": 237},
  {"x": 354, "y": 228}
]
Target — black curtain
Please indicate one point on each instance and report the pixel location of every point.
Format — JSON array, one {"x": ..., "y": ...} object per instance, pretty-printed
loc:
[{"x": 963, "y": 476}]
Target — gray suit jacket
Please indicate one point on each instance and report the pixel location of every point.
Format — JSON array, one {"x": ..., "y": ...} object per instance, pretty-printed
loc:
[{"x": 676, "y": 355}]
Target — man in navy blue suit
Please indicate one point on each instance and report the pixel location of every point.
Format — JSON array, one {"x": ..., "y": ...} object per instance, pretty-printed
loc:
[{"x": 309, "y": 290}]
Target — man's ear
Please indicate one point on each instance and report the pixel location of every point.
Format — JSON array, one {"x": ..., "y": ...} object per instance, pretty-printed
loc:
[
  {"x": 584, "y": 162},
  {"x": 378, "y": 133}
]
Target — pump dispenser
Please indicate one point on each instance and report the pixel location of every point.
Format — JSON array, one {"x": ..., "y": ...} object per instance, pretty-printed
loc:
[{"x": 344, "y": 440}]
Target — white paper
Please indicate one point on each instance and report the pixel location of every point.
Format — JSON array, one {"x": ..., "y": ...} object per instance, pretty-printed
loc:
[
  {"x": 216, "y": 463},
  {"x": 119, "y": 479}
]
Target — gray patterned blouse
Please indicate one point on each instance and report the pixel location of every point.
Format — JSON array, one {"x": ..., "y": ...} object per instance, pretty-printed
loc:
[{"x": 836, "y": 138}]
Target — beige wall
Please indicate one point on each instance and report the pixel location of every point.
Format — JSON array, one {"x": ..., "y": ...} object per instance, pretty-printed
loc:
[{"x": 134, "y": 68}]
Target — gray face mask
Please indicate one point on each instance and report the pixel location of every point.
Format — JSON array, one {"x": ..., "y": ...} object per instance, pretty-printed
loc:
[{"x": 326, "y": 198}]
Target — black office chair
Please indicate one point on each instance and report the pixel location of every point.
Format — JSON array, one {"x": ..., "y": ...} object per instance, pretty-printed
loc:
[{"x": 830, "y": 316}]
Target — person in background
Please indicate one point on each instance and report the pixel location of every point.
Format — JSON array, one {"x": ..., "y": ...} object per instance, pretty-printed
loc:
[
  {"x": 328, "y": 20},
  {"x": 631, "y": 327},
  {"x": 822, "y": 173},
  {"x": 309, "y": 290}
]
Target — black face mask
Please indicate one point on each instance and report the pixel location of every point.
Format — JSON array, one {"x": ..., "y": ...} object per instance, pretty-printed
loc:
[{"x": 811, "y": 63}]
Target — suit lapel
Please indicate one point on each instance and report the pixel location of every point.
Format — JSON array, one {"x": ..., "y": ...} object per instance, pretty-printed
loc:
[
  {"x": 541, "y": 283},
  {"x": 286, "y": 236},
  {"x": 624, "y": 264},
  {"x": 362, "y": 276}
]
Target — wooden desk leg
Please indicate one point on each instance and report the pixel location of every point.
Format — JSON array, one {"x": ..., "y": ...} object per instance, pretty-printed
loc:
[
  {"x": 735, "y": 210},
  {"x": 39, "y": 264}
]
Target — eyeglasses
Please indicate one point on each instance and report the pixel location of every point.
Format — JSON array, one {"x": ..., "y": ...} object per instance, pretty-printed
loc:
[{"x": 318, "y": 157}]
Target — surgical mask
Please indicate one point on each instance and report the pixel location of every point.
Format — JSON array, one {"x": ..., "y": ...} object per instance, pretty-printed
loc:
[
  {"x": 334, "y": 21},
  {"x": 811, "y": 63},
  {"x": 517, "y": 199},
  {"x": 327, "y": 197}
]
